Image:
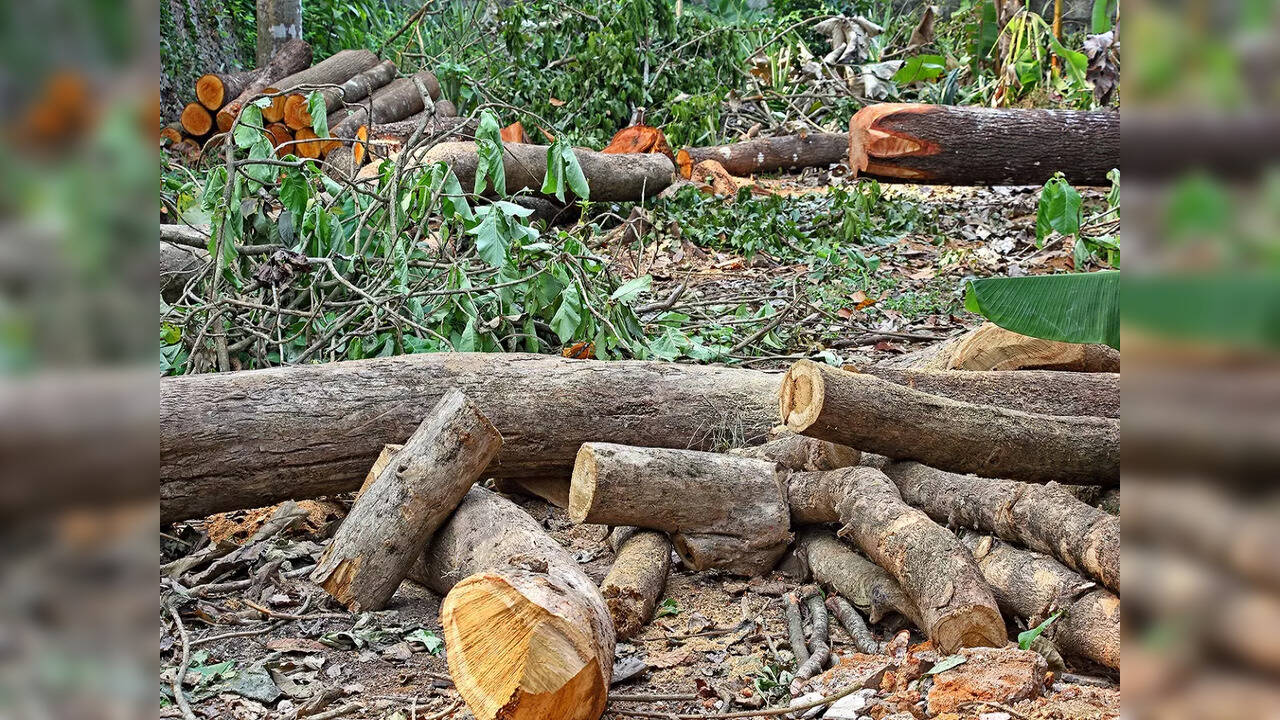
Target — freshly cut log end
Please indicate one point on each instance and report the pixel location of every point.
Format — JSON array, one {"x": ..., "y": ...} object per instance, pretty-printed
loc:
[
  {"x": 295, "y": 112},
  {"x": 684, "y": 163},
  {"x": 215, "y": 90},
  {"x": 280, "y": 134},
  {"x": 514, "y": 133},
  {"x": 196, "y": 120},
  {"x": 170, "y": 135},
  {"x": 801, "y": 396},
  {"x": 512, "y": 657},
  {"x": 582, "y": 486},
  {"x": 359, "y": 149},
  {"x": 274, "y": 112},
  {"x": 965, "y": 626},
  {"x": 639, "y": 139},
  {"x": 312, "y": 147}
]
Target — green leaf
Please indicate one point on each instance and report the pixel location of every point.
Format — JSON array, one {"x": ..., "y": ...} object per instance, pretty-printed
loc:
[
  {"x": 294, "y": 193},
  {"x": 1076, "y": 308},
  {"x": 564, "y": 173},
  {"x": 1077, "y": 62},
  {"x": 1059, "y": 209},
  {"x": 319, "y": 114},
  {"x": 1101, "y": 20},
  {"x": 489, "y": 169},
  {"x": 946, "y": 664},
  {"x": 669, "y": 607},
  {"x": 490, "y": 242},
  {"x": 247, "y": 132},
  {"x": 488, "y": 128},
  {"x": 444, "y": 182},
  {"x": 628, "y": 291},
  {"x": 569, "y": 316},
  {"x": 427, "y": 639},
  {"x": 920, "y": 67},
  {"x": 1026, "y": 637}
]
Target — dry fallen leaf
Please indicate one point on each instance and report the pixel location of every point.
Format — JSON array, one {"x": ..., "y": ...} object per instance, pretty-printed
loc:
[{"x": 556, "y": 102}]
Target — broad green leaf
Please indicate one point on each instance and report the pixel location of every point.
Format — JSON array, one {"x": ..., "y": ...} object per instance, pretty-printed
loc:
[
  {"x": 319, "y": 114},
  {"x": 1077, "y": 62},
  {"x": 921, "y": 67},
  {"x": 1026, "y": 637},
  {"x": 946, "y": 664},
  {"x": 1101, "y": 20},
  {"x": 247, "y": 132},
  {"x": 1077, "y": 308},
  {"x": 451, "y": 197},
  {"x": 669, "y": 607},
  {"x": 488, "y": 128},
  {"x": 569, "y": 316},
  {"x": 564, "y": 173},
  {"x": 1059, "y": 209},
  {"x": 628, "y": 291},
  {"x": 490, "y": 243},
  {"x": 294, "y": 193}
]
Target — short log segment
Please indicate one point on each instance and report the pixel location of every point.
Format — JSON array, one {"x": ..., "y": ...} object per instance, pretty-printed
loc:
[
  {"x": 396, "y": 100},
  {"x": 639, "y": 575},
  {"x": 836, "y": 566},
  {"x": 879, "y": 416},
  {"x": 291, "y": 57},
  {"x": 1047, "y": 392},
  {"x": 406, "y": 503},
  {"x": 1041, "y": 517},
  {"x": 196, "y": 120},
  {"x": 721, "y": 511},
  {"x": 213, "y": 90},
  {"x": 935, "y": 570},
  {"x": 798, "y": 452},
  {"x": 966, "y": 145},
  {"x": 1032, "y": 586},
  {"x": 527, "y": 634},
  {"x": 610, "y": 177},
  {"x": 766, "y": 155},
  {"x": 249, "y": 439}
]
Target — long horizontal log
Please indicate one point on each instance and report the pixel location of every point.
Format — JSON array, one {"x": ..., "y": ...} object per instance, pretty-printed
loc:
[
  {"x": 1047, "y": 392},
  {"x": 248, "y": 439},
  {"x": 967, "y": 145},
  {"x": 1041, "y": 517},
  {"x": 396, "y": 100},
  {"x": 766, "y": 155},
  {"x": 291, "y": 57},
  {"x": 875, "y": 415}
]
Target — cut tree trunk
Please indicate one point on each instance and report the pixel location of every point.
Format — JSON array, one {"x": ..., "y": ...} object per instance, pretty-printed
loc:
[
  {"x": 766, "y": 155},
  {"x": 935, "y": 570},
  {"x": 171, "y": 134},
  {"x": 333, "y": 70},
  {"x": 196, "y": 120},
  {"x": 721, "y": 511},
  {"x": 1041, "y": 517},
  {"x": 836, "y": 566},
  {"x": 249, "y": 439},
  {"x": 445, "y": 108},
  {"x": 991, "y": 347},
  {"x": 214, "y": 90},
  {"x": 389, "y": 138},
  {"x": 274, "y": 112},
  {"x": 1047, "y": 392},
  {"x": 1032, "y": 587},
  {"x": 879, "y": 416},
  {"x": 967, "y": 145},
  {"x": 311, "y": 147},
  {"x": 278, "y": 22},
  {"x": 406, "y": 503},
  {"x": 610, "y": 177},
  {"x": 178, "y": 265},
  {"x": 797, "y": 452},
  {"x": 289, "y": 58},
  {"x": 355, "y": 89},
  {"x": 396, "y": 100},
  {"x": 527, "y": 634},
  {"x": 641, "y": 561}
]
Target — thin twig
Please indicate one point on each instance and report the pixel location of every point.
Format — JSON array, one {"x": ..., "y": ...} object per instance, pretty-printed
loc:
[{"x": 180, "y": 673}]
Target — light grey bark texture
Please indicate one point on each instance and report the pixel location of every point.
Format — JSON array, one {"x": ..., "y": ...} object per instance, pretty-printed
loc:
[{"x": 278, "y": 22}]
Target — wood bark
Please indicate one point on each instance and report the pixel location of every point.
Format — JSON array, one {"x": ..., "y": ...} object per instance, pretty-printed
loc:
[
  {"x": 991, "y": 347},
  {"x": 934, "y": 569},
  {"x": 187, "y": 235},
  {"x": 642, "y": 559},
  {"x": 797, "y": 452},
  {"x": 396, "y": 100},
  {"x": 1032, "y": 586},
  {"x": 445, "y": 108},
  {"x": 721, "y": 511},
  {"x": 359, "y": 87},
  {"x": 196, "y": 120},
  {"x": 333, "y": 70},
  {"x": 838, "y": 567},
  {"x": 879, "y": 416},
  {"x": 553, "y": 490},
  {"x": 214, "y": 90},
  {"x": 289, "y": 58},
  {"x": 527, "y": 634},
  {"x": 967, "y": 145},
  {"x": 1047, "y": 392},
  {"x": 766, "y": 155},
  {"x": 278, "y": 22},
  {"x": 610, "y": 177},
  {"x": 388, "y": 138},
  {"x": 249, "y": 439},
  {"x": 1041, "y": 517},
  {"x": 178, "y": 265},
  {"x": 819, "y": 640},
  {"x": 406, "y": 503}
]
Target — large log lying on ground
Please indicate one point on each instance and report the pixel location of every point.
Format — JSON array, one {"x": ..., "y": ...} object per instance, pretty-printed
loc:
[
  {"x": 527, "y": 634},
  {"x": 721, "y": 511},
  {"x": 248, "y": 439},
  {"x": 293, "y": 56},
  {"x": 836, "y": 566},
  {"x": 875, "y": 415},
  {"x": 1032, "y": 587},
  {"x": 1041, "y": 517},
  {"x": 1048, "y": 392},
  {"x": 406, "y": 502},
  {"x": 935, "y": 570},
  {"x": 766, "y": 155},
  {"x": 967, "y": 145},
  {"x": 991, "y": 347},
  {"x": 213, "y": 90},
  {"x": 396, "y": 100},
  {"x": 356, "y": 88},
  {"x": 610, "y": 177},
  {"x": 642, "y": 559}
]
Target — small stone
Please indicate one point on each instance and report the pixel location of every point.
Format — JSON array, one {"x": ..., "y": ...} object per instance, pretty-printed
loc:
[
  {"x": 1003, "y": 675},
  {"x": 847, "y": 708},
  {"x": 806, "y": 699}
]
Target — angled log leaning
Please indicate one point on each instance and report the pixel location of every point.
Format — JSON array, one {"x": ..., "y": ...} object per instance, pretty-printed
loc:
[
  {"x": 1041, "y": 517},
  {"x": 293, "y": 56},
  {"x": 954, "y": 145},
  {"x": 642, "y": 559},
  {"x": 837, "y": 566},
  {"x": 333, "y": 70},
  {"x": 728, "y": 512},
  {"x": 527, "y": 634},
  {"x": 766, "y": 155},
  {"x": 409, "y": 500},
  {"x": 396, "y": 100},
  {"x": 1048, "y": 392},
  {"x": 1033, "y": 586},
  {"x": 875, "y": 415},
  {"x": 936, "y": 571},
  {"x": 250, "y": 439}
]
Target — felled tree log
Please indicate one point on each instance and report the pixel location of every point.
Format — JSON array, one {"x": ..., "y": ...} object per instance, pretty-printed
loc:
[
  {"x": 610, "y": 177},
  {"x": 879, "y": 416},
  {"x": 292, "y": 56},
  {"x": 406, "y": 503},
  {"x": 196, "y": 120},
  {"x": 721, "y": 511},
  {"x": 1048, "y": 392},
  {"x": 766, "y": 155},
  {"x": 798, "y": 452},
  {"x": 333, "y": 70},
  {"x": 358, "y": 87},
  {"x": 933, "y": 568},
  {"x": 178, "y": 265},
  {"x": 837, "y": 566},
  {"x": 527, "y": 634},
  {"x": 396, "y": 100},
  {"x": 213, "y": 90},
  {"x": 388, "y": 138},
  {"x": 969, "y": 145},
  {"x": 642, "y": 559},
  {"x": 1033, "y": 586},
  {"x": 249, "y": 439},
  {"x": 991, "y": 347},
  {"x": 171, "y": 134},
  {"x": 1041, "y": 517}
]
